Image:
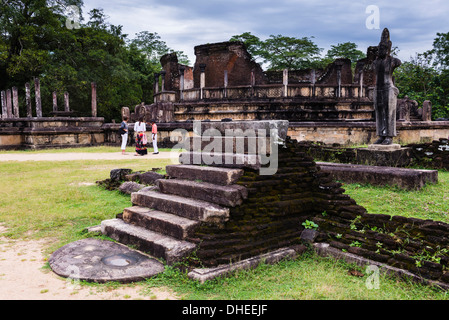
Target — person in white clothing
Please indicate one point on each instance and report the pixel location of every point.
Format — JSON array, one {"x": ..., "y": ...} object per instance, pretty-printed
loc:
[
  {"x": 140, "y": 132},
  {"x": 154, "y": 136},
  {"x": 124, "y": 133}
]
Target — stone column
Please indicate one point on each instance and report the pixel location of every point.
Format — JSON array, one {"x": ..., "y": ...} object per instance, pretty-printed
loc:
[
  {"x": 37, "y": 89},
  {"x": 8, "y": 104},
  {"x": 66, "y": 102},
  {"x": 225, "y": 82},
  {"x": 93, "y": 86},
  {"x": 427, "y": 111},
  {"x": 338, "y": 66},
  {"x": 156, "y": 83},
  {"x": 28, "y": 100},
  {"x": 55, "y": 101},
  {"x": 163, "y": 72},
  {"x": 361, "y": 84},
  {"x": 202, "y": 79},
  {"x": 285, "y": 81},
  {"x": 313, "y": 81},
  {"x": 15, "y": 102},
  {"x": 181, "y": 83},
  {"x": 3, "y": 101}
]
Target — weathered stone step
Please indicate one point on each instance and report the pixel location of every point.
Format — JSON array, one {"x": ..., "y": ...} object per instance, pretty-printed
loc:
[
  {"x": 162, "y": 222},
  {"x": 198, "y": 210},
  {"x": 229, "y": 144},
  {"x": 229, "y": 196},
  {"x": 226, "y": 160},
  {"x": 154, "y": 243},
  {"x": 222, "y": 176}
]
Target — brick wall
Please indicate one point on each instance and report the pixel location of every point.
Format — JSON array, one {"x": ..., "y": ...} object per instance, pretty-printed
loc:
[{"x": 276, "y": 207}]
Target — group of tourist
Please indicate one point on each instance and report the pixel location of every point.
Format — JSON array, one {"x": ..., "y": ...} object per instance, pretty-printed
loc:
[{"x": 140, "y": 136}]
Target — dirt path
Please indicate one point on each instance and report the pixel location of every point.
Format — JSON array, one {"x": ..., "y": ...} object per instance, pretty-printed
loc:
[
  {"x": 23, "y": 276},
  {"x": 66, "y": 156}
]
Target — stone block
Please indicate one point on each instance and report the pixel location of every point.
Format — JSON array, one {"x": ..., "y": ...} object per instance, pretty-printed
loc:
[
  {"x": 188, "y": 208},
  {"x": 154, "y": 243},
  {"x": 162, "y": 222},
  {"x": 129, "y": 187},
  {"x": 222, "y": 176},
  {"x": 409, "y": 179},
  {"x": 119, "y": 174},
  {"x": 377, "y": 155},
  {"x": 230, "y": 195}
]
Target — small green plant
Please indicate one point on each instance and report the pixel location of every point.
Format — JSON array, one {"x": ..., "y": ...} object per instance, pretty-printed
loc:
[
  {"x": 355, "y": 244},
  {"x": 310, "y": 225}
]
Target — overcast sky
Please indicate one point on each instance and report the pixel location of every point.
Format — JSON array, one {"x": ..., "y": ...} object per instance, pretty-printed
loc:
[{"x": 185, "y": 24}]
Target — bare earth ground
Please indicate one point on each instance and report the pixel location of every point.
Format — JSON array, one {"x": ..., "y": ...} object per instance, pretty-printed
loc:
[{"x": 23, "y": 275}]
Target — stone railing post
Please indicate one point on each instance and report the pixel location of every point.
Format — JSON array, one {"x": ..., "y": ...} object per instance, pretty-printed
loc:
[
  {"x": 37, "y": 89},
  {"x": 93, "y": 86},
  {"x": 55, "y": 101},
  {"x": 8, "y": 103},
  {"x": 15, "y": 102},
  {"x": 66, "y": 102},
  {"x": 285, "y": 82},
  {"x": 28, "y": 100},
  {"x": 3, "y": 101}
]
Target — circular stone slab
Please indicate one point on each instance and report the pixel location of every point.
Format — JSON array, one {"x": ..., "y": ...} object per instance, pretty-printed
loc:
[{"x": 101, "y": 261}]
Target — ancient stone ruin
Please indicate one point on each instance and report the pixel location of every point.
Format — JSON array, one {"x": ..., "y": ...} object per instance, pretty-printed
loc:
[
  {"x": 30, "y": 129},
  {"x": 227, "y": 215}
]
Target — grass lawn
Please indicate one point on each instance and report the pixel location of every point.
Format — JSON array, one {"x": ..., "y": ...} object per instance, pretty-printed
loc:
[{"x": 59, "y": 200}]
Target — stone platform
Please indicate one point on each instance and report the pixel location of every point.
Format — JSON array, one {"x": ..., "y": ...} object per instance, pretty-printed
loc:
[{"x": 409, "y": 179}]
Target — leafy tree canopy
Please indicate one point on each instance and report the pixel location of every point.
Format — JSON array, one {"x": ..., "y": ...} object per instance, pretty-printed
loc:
[{"x": 37, "y": 41}]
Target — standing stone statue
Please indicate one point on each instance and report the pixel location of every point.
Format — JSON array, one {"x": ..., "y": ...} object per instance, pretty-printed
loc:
[{"x": 385, "y": 93}]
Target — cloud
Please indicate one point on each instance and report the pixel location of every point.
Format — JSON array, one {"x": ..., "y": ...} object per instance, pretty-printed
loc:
[{"x": 184, "y": 24}]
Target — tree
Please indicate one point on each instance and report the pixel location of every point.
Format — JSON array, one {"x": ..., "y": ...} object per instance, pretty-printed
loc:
[
  {"x": 253, "y": 44},
  {"x": 154, "y": 48},
  {"x": 282, "y": 52},
  {"x": 346, "y": 50},
  {"x": 36, "y": 41}
]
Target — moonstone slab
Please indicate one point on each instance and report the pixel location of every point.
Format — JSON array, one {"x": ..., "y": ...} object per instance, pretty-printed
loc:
[{"x": 101, "y": 261}]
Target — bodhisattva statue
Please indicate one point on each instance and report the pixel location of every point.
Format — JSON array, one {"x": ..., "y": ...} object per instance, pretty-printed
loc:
[{"x": 385, "y": 93}]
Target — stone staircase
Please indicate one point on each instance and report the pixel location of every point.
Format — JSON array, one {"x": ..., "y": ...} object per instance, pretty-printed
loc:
[{"x": 161, "y": 219}]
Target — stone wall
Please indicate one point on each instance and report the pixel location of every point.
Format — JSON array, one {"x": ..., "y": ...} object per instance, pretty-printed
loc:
[
  {"x": 231, "y": 57},
  {"x": 433, "y": 155},
  {"x": 415, "y": 245}
]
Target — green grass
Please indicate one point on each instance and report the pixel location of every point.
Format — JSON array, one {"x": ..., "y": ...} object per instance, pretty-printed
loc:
[
  {"x": 57, "y": 200},
  {"x": 431, "y": 202}
]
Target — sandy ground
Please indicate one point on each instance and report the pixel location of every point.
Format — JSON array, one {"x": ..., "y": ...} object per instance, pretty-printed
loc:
[{"x": 24, "y": 276}]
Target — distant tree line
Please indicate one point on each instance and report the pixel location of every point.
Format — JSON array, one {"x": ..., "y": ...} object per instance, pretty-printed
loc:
[
  {"x": 423, "y": 77},
  {"x": 37, "y": 40}
]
